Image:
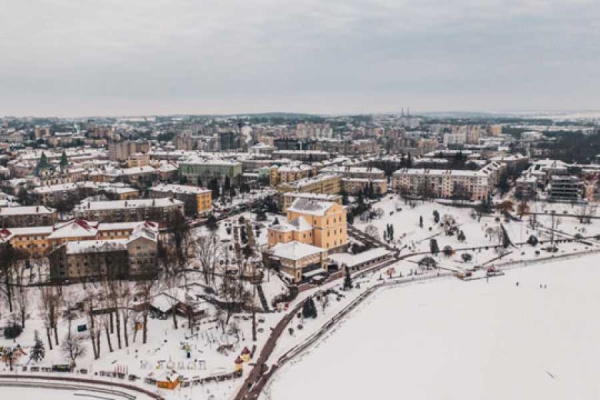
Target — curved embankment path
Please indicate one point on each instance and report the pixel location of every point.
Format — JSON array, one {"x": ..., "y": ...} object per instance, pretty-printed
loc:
[{"x": 96, "y": 388}]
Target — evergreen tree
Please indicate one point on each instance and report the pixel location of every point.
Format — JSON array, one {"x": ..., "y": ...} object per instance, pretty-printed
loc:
[
  {"x": 64, "y": 161},
  {"x": 345, "y": 200},
  {"x": 350, "y": 218},
  {"x": 347, "y": 280},
  {"x": 433, "y": 246},
  {"x": 38, "y": 351},
  {"x": 261, "y": 215},
  {"x": 505, "y": 238},
  {"x": 211, "y": 222},
  {"x": 309, "y": 309},
  {"x": 214, "y": 187},
  {"x": 42, "y": 164},
  {"x": 371, "y": 190},
  {"x": 313, "y": 308},
  {"x": 532, "y": 240}
]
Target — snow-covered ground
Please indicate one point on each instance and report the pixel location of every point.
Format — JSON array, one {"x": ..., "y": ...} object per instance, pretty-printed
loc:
[
  {"x": 470, "y": 340},
  {"x": 410, "y": 237},
  {"x": 62, "y": 391}
]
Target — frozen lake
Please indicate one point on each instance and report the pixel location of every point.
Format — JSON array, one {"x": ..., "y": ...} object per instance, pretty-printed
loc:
[{"x": 470, "y": 340}]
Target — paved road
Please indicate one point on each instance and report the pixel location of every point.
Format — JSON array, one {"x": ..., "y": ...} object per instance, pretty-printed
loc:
[{"x": 256, "y": 380}]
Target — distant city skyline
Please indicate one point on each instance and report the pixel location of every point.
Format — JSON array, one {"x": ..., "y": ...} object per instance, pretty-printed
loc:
[{"x": 68, "y": 58}]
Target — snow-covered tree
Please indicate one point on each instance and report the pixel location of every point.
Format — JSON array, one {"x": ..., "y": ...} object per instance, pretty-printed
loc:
[
  {"x": 348, "y": 280},
  {"x": 38, "y": 351},
  {"x": 73, "y": 347}
]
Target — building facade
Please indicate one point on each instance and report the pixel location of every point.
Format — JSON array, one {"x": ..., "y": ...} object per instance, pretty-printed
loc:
[
  {"x": 197, "y": 201},
  {"x": 205, "y": 170}
]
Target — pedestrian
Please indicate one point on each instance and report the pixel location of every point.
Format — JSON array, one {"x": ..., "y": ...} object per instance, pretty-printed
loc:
[{"x": 517, "y": 283}]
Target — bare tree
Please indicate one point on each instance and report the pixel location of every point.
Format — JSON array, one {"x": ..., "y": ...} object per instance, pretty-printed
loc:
[
  {"x": 172, "y": 291},
  {"x": 126, "y": 300},
  {"x": 91, "y": 305},
  {"x": 372, "y": 231},
  {"x": 51, "y": 302},
  {"x": 145, "y": 290},
  {"x": 113, "y": 290},
  {"x": 22, "y": 302},
  {"x": 10, "y": 259},
  {"x": 73, "y": 347},
  {"x": 208, "y": 252},
  {"x": 235, "y": 295}
]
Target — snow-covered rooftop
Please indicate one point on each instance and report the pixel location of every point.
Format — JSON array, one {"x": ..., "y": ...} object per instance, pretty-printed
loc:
[
  {"x": 351, "y": 260},
  {"x": 26, "y": 210},
  {"x": 173, "y": 188},
  {"x": 312, "y": 207},
  {"x": 295, "y": 250},
  {"x": 126, "y": 204}
]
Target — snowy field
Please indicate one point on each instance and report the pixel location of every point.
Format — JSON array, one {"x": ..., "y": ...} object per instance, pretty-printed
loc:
[
  {"x": 479, "y": 234},
  {"x": 35, "y": 393},
  {"x": 471, "y": 340}
]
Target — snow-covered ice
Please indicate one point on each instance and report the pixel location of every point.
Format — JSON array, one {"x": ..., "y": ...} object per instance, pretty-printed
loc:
[{"x": 471, "y": 340}]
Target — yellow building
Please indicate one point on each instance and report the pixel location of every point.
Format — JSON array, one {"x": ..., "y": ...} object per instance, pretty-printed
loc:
[
  {"x": 138, "y": 160},
  {"x": 297, "y": 261},
  {"x": 353, "y": 186},
  {"x": 292, "y": 173},
  {"x": 197, "y": 200},
  {"x": 290, "y": 197},
  {"x": 327, "y": 220},
  {"x": 297, "y": 230},
  {"x": 322, "y": 184},
  {"x": 40, "y": 240}
]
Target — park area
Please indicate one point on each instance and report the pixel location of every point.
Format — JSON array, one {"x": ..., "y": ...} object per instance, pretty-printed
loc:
[{"x": 530, "y": 334}]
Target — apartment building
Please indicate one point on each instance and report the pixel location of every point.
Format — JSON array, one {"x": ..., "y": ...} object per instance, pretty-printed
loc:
[
  {"x": 38, "y": 241},
  {"x": 27, "y": 216},
  {"x": 565, "y": 188},
  {"x": 353, "y": 186},
  {"x": 120, "y": 151},
  {"x": 162, "y": 210},
  {"x": 196, "y": 200},
  {"x": 442, "y": 183},
  {"x": 290, "y": 197},
  {"x": 302, "y": 155},
  {"x": 350, "y": 147},
  {"x": 138, "y": 160},
  {"x": 291, "y": 173},
  {"x": 92, "y": 260},
  {"x": 355, "y": 172},
  {"x": 205, "y": 170},
  {"x": 49, "y": 195},
  {"x": 322, "y": 183}
]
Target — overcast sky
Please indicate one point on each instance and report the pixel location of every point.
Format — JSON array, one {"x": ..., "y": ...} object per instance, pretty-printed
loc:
[{"x": 132, "y": 57}]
